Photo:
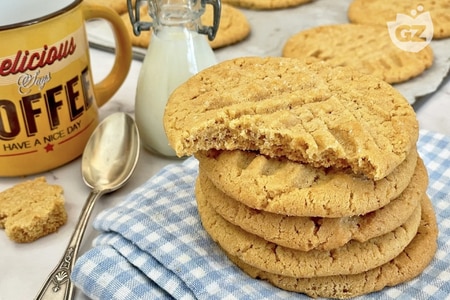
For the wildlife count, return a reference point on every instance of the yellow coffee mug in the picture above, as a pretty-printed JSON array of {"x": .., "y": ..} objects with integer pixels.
[{"x": 48, "y": 100}]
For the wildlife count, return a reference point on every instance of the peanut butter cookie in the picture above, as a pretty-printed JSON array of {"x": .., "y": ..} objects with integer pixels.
[
  {"x": 284, "y": 107},
  {"x": 367, "y": 48},
  {"x": 290, "y": 188},
  {"x": 307, "y": 233},
  {"x": 379, "y": 12},
  {"x": 32, "y": 209},
  {"x": 233, "y": 27},
  {"x": 352, "y": 258},
  {"x": 406, "y": 266},
  {"x": 266, "y": 4},
  {"x": 119, "y": 6}
]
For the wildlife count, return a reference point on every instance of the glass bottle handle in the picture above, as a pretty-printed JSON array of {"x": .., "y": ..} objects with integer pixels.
[
  {"x": 135, "y": 17},
  {"x": 138, "y": 25},
  {"x": 211, "y": 31}
]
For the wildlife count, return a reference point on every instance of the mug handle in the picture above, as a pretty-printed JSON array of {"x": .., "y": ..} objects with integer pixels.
[{"x": 105, "y": 89}]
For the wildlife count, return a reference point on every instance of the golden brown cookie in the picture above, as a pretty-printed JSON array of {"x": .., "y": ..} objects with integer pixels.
[
  {"x": 120, "y": 6},
  {"x": 307, "y": 233},
  {"x": 233, "y": 27},
  {"x": 308, "y": 112},
  {"x": 32, "y": 209},
  {"x": 266, "y": 4},
  {"x": 285, "y": 187},
  {"x": 352, "y": 258},
  {"x": 379, "y": 12},
  {"x": 366, "y": 48},
  {"x": 408, "y": 265}
]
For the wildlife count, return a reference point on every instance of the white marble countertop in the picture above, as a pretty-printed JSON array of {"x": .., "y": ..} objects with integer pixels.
[{"x": 24, "y": 267}]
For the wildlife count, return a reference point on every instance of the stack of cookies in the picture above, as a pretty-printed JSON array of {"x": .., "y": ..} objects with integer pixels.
[{"x": 309, "y": 176}]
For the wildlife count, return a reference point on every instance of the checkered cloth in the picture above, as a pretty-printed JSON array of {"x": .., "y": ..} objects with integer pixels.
[{"x": 153, "y": 246}]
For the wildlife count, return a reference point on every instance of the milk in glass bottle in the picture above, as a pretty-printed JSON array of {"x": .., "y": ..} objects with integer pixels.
[{"x": 178, "y": 49}]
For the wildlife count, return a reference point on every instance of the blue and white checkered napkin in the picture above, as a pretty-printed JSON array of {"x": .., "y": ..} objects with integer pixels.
[{"x": 153, "y": 246}]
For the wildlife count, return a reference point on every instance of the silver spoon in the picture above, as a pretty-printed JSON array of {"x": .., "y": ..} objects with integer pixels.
[{"x": 108, "y": 161}]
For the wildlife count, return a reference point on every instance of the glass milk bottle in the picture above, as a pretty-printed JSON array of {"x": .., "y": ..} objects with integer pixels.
[{"x": 178, "y": 49}]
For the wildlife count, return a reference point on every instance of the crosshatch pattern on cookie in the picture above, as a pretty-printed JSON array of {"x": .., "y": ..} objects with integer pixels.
[
  {"x": 313, "y": 113},
  {"x": 366, "y": 48},
  {"x": 285, "y": 187}
]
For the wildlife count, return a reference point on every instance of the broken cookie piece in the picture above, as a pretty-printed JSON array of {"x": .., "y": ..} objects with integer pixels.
[{"x": 32, "y": 209}]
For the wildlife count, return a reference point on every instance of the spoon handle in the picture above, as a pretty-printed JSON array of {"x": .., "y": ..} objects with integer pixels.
[{"x": 58, "y": 285}]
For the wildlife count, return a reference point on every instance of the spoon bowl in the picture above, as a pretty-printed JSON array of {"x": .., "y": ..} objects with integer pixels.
[
  {"x": 109, "y": 159},
  {"x": 111, "y": 153}
]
